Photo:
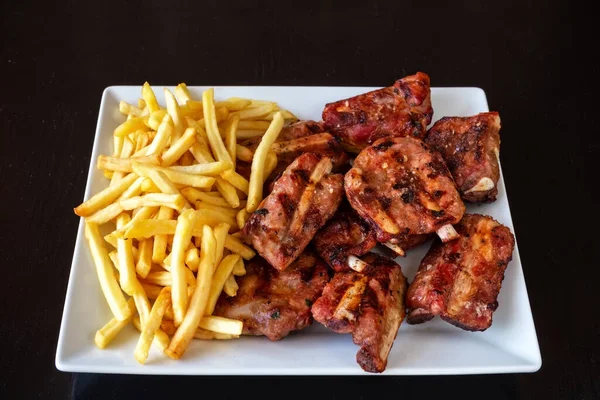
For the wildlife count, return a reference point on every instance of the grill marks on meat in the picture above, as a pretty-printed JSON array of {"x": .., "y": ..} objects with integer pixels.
[
  {"x": 402, "y": 188},
  {"x": 370, "y": 305},
  {"x": 345, "y": 234},
  {"x": 460, "y": 280},
  {"x": 302, "y": 200},
  {"x": 274, "y": 303},
  {"x": 470, "y": 146},
  {"x": 403, "y": 109}
]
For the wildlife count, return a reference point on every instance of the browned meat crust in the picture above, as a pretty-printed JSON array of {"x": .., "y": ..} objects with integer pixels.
[
  {"x": 401, "y": 187},
  {"x": 370, "y": 305},
  {"x": 274, "y": 303},
  {"x": 470, "y": 146},
  {"x": 460, "y": 280},
  {"x": 301, "y": 202},
  {"x": 345, "y": 234},
  {"x": 403, "y": 109}
]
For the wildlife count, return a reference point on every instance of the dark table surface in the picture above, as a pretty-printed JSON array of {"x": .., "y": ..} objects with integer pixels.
[{"x": 532, "y": 58}]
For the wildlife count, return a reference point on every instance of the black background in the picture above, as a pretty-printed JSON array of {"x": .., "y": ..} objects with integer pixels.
[{"x": 532, "y": 58}]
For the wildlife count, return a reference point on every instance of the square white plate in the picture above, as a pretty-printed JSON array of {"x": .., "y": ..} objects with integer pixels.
[{"x": 436, "y": 347}]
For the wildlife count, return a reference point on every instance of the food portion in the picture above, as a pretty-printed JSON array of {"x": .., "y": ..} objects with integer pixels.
[
  {"x": 197, "y": 187},
  {"x": 344, "y": 235},
  {"x": 403, "y": 109},
  {"x": 460, "y": 280},
  {"x": 173, "y": 204},
  {"x": 471, "y": 147},
  {"x": 302, "y": 200},
  {"x": 370, "y": 305},
  {"x": 274, "y": 303},
  {"x": 401, "y": 187}
]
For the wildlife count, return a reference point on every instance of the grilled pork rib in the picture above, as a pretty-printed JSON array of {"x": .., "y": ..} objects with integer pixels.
[
  {"x": 370, "y": 305},
  {"x": 344, "y": 235},
  {"x": 460, "y": 280},
  {"x": 302, "y": 200},
  {"x": 470, "y": 146},
  {"x": 274, "y": 303},
  {"x": 402, "y": 188},
  {"x": 403, "y": 109}
]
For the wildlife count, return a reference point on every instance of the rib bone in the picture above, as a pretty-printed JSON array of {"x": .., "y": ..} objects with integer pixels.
[
  {"x": 447, "y": 233},
  {"x": 483, "y": 185},
  {"x": 357, "y": 264},
  {"x": 395, "y": 248}
]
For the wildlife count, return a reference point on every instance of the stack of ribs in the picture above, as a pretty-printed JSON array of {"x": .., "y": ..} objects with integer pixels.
[{"x": 321, "y": 219}]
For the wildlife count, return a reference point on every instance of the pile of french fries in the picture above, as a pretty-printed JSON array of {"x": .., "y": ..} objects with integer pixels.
[{"x": 175, "y": 205}]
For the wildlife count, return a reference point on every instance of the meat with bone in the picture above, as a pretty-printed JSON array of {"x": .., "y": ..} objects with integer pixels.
[
  {"x": 460, "y": 280},
  {"x": 403, "y": 109},
  {"x": 470, "y": 146},
  {"x": 274, "y": 303},
  {"x": 301, "y": 202},
  {"x": 401, "y": 187},
  {"x": 370, "y": 305},
  {"x": 344, "y": 235}
]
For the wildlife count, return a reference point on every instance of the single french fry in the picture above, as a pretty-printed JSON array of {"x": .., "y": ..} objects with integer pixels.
[
  {"x": 201, "y": 151},
  {"x": 106, "y": 214},
  {"x": 228, "y": 191},
  {"x": 174, "y": 201},
  {"x": 132, "y": 125},
  {"x": 255, "y": 112},
  {"x": 203, "y": 334},
  {"x": 212, "y": 129},
  {"x": 241, "y": 218},
  {"x": 160, "y": 278},
  {"x": 222, "y": 272},
  {"x": 128, "y": 279},
  {"x": 156, "y": 118},
  {"x": 221, "y": 114},
  {"x": 118, "y": 142},
  {"x": 149, "y": 97},
  {"x": 124, "y": 164},
  {"x": 112, "y": 328},
  {"x": 257, "y": 175},
  {"x": 187, "y": 159},
  {"x": 104, "y": 268},
  {"x": 175, "y": 113},
  {"x": 172, "y": 176},
  {"x": 182, "y": 93},
  {"x": 145, "y": 262},
  {"x": 221, "y": 325},
  {"x": 230, "y": 287},
  {"x": 200, "y": 205},
  {"x": 160, "y": 240},
  {"x": 152, "y": 325},
  {"x": 192, "y": 195},
  {"x": 163, "y": 134},
  {"x": 230, "y": 137},
  {"x": 234, "y": 104},
  {"x": 185, "y": 332},
  {"x": 183, "y": 235},
  {"x": 178, "y": 147},
  {"x": 239, "y": 269},
  {"x": 238, "y": 181},
  {"x": 236, "y": 246},
  {"x": 286, "y": 114},
  {"x": 221, "y": 233},
  {"x": 243, "y": 153},
  {"x": 209, "y": 169},
  {"x": 105, "y": 197}
]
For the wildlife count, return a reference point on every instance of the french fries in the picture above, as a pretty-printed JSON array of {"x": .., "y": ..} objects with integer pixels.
[{"x": 178, "y": 204}]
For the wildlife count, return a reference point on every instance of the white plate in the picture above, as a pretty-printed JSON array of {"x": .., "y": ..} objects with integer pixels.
[{"x": 436, "y": 347}]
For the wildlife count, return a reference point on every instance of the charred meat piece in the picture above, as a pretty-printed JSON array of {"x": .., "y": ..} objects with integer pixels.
[
  {"x": 300, "y": 129},
  {"x": 344, "y": 235},
  {"x": 403, "y": 109},
  {"x": 402, "y": 188},
  {"x": 470, "y": 146},
  {"x": 274, "y": 303},
  {"x": 301, "y": 202},
  {"x": 460, "y": 280},
  {"x": 370, "y": 305}
]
